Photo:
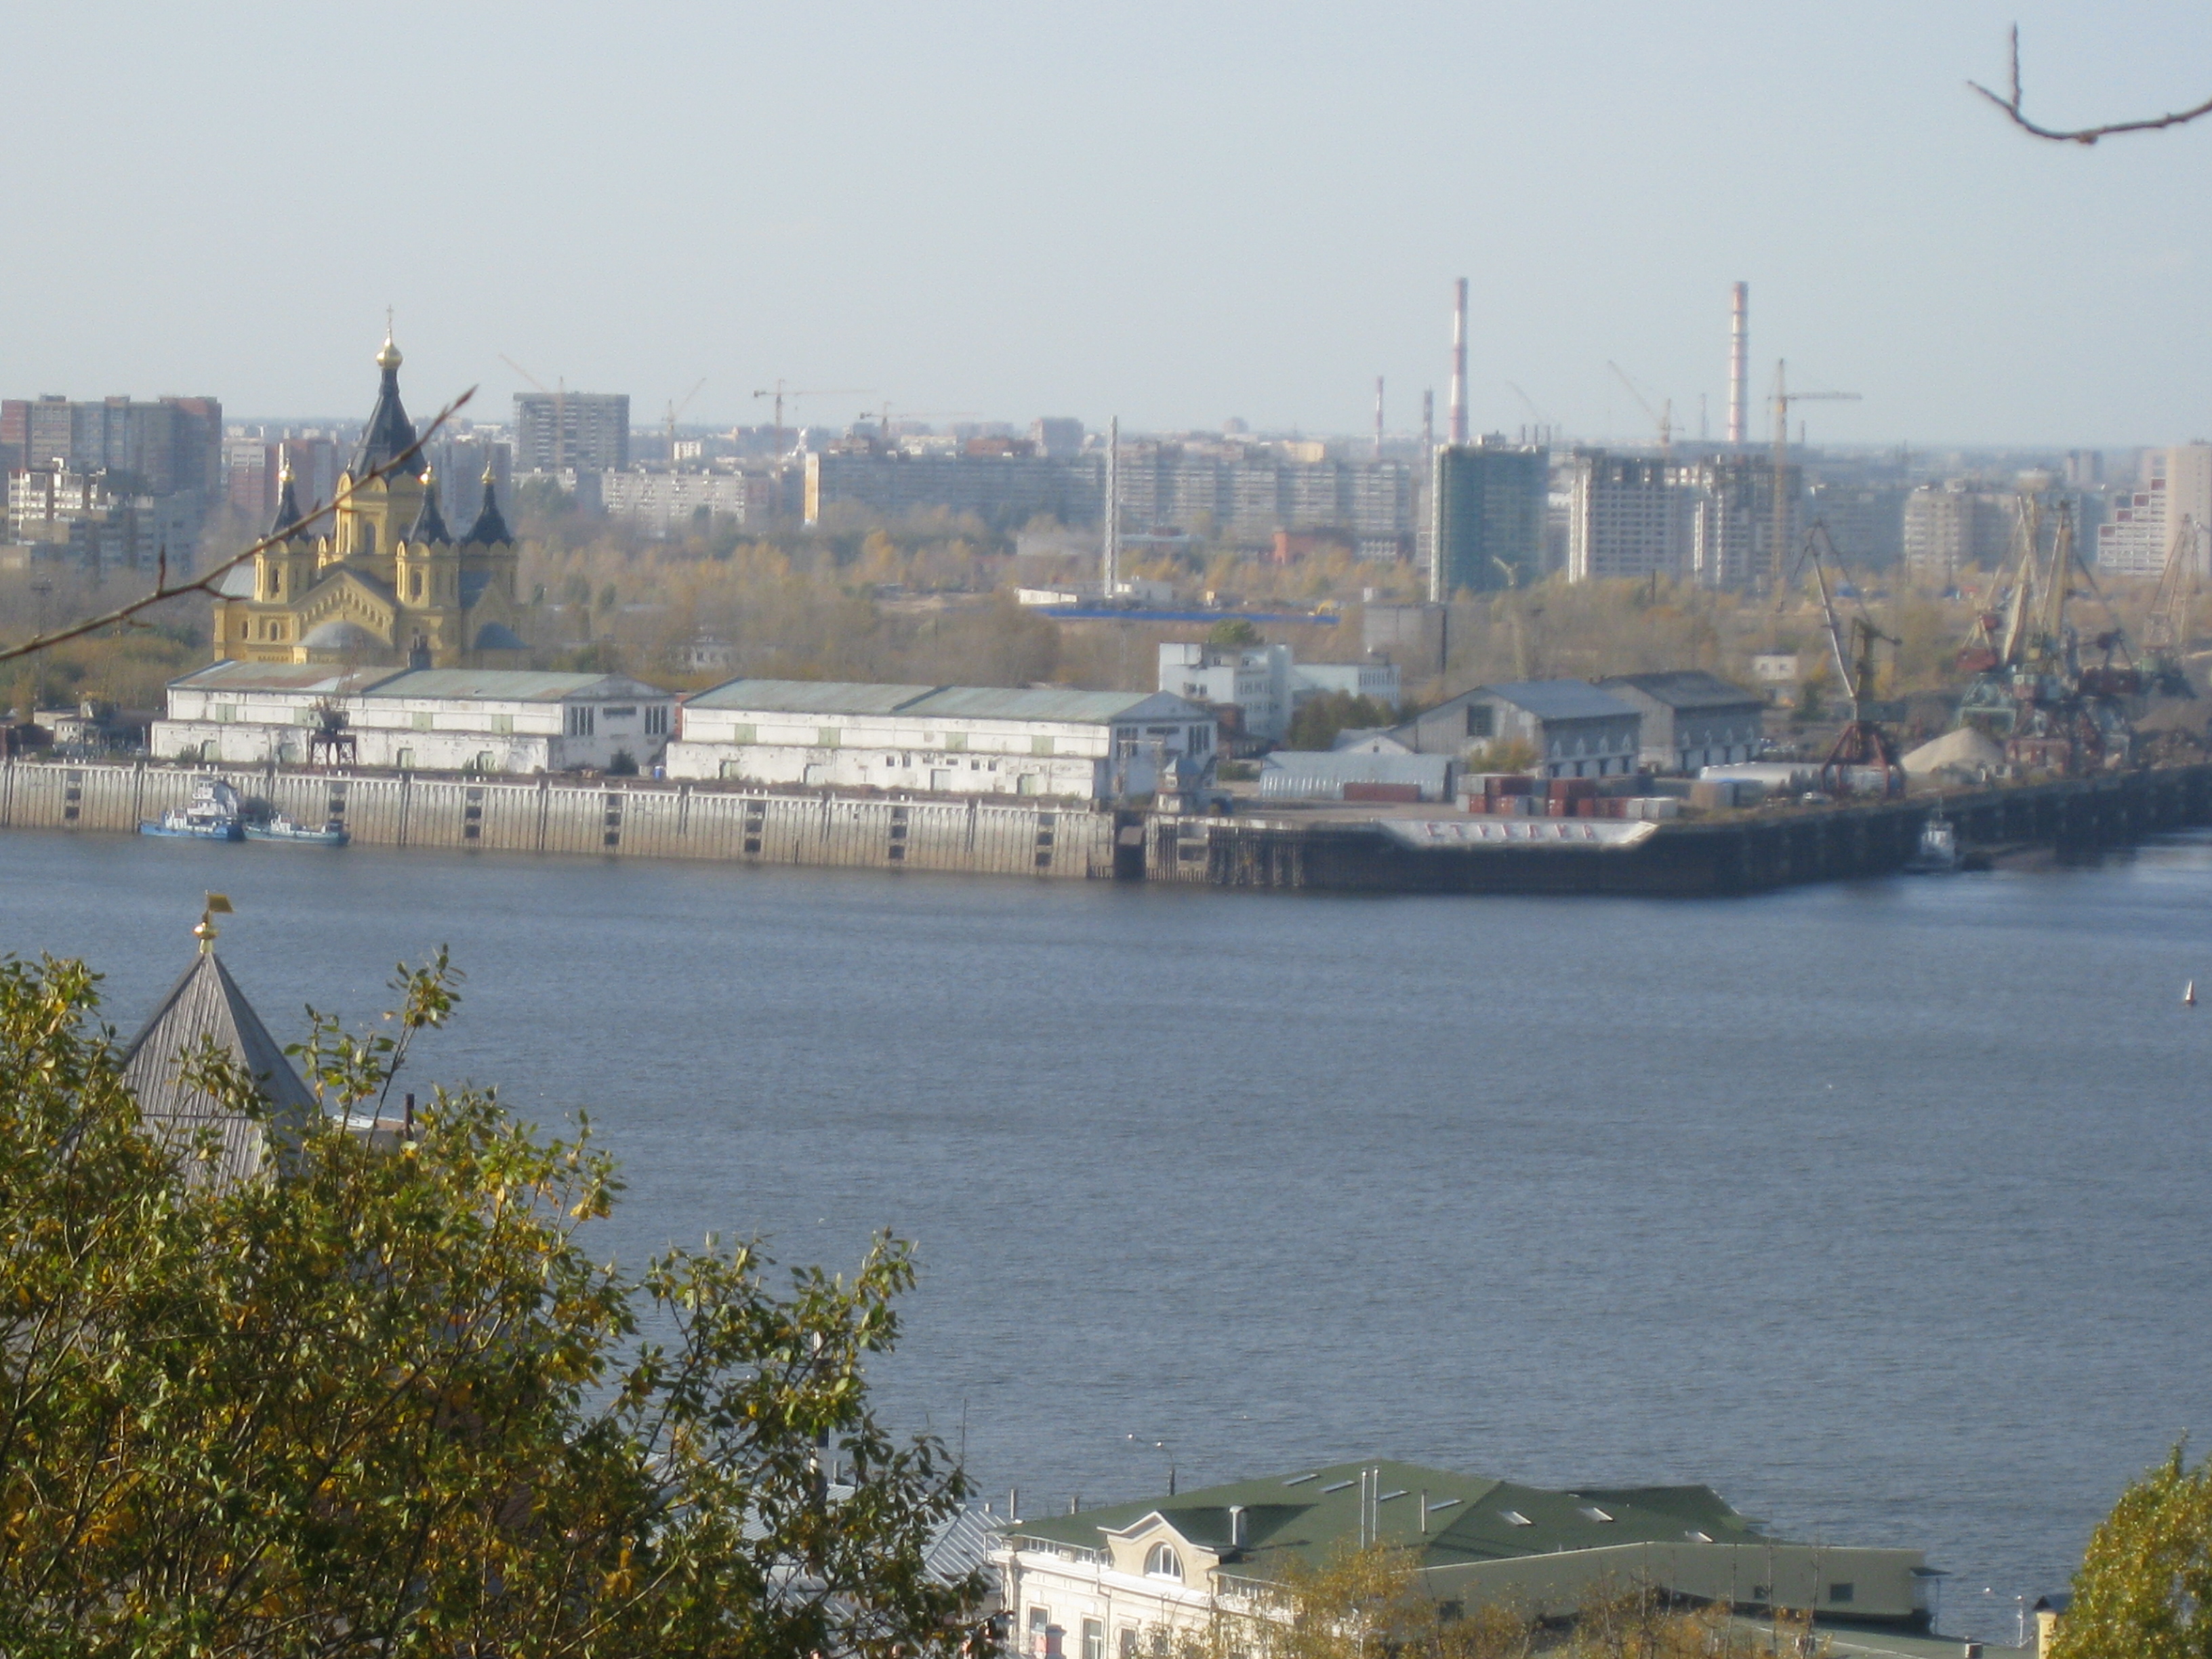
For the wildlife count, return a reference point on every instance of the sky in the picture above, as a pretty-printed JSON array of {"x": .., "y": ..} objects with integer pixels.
[{"x": 1178, "y": 213}]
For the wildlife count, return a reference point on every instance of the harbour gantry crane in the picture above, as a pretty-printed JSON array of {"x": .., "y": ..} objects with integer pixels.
[
  {"x": 780, "y": 390},
  {"x": 676, "y": 409},
  {"x": 1662, "y": 417},
  {"x": 558, "y": 391},
  {"x": 1782, "y": 399}
]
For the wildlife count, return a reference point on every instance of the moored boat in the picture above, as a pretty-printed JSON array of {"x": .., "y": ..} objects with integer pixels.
[
  {"x": 1938, "y": 852},
  {"x": 280, "y": 828},
  {"x": 211, "y": 814}
]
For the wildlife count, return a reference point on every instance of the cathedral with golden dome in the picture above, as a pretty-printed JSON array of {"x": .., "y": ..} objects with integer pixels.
[{"x": 386, "y": 581}]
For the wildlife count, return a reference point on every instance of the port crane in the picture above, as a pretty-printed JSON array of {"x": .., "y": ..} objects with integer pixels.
[
  {"x": 1864, "y": 744},
  {"x": 2166, "y": 633},
  {"x": 780, "y": 390},
  {"x": 2029, "y": 690}
]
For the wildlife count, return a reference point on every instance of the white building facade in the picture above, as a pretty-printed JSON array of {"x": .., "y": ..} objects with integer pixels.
[
  {"x": 433, "y": 719},
  {"x": 1265, "y": 683},
  {"x": 944, "y": 740}
]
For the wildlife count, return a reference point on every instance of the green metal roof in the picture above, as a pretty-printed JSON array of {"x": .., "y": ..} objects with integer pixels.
[
  {"x": 512, "y": 685},
  {"x": 808, "y": 696},
  {"x": 1310, "y": 1516},
  {"x": 973, "y": 702},
  {"x": 282, "y": 676}
]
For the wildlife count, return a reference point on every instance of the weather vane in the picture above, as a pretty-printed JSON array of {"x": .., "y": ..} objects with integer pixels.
[{"x": 217, "y": 905}]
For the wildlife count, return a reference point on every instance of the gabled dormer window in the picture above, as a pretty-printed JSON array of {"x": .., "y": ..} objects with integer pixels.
[{"x": 1161, "y": 1561}]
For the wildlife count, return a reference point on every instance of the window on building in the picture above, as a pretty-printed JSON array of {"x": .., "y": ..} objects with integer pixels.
[
  {"x": 656, "y": 721},
  {"x": 1481, "y": 719},
  {"x": 1040, "y": 1620},
  {"x": 484, "y": 761},
  {"x": 1040, "y": 745},
  {"x": 422, "y": 720},
  {"x": 583, "y": 720},
  {"x": 1124, "y": 1642},
  {"x": 1842, "y": 1592},
  {"x": 1161, "y": 1562},
  {"x": 405, "y": 760},
  {"x": 367, "y": 537},
  {"x": 826, "y": 737},
  {"x": 1094, "y": 1639},
  {"x": 732, "y": 769},
  {"x": 503, "y": 723},
  {"x": 416, "y": 591}
]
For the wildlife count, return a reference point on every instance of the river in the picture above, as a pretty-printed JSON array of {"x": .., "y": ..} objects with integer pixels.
[{"x": 1881, "y": 1208}]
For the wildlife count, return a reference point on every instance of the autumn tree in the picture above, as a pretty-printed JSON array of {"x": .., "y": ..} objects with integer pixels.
[
  {"x": 382, "y": 1399},
  {"x": 2144, "y": 1590}
]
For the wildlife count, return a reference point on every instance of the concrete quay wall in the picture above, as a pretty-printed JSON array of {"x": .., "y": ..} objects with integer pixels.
[
  {"x": 1749, "y": 852},
  {"x": 620, "y": 818}
]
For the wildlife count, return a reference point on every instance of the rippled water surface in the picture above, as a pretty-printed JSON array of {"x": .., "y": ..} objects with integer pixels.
[{"x": 1882, "y": 1208}]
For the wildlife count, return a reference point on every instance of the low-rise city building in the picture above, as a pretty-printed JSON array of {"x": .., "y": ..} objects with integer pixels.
[
  {"x": 1266, "y": 684},
  {"x": 1215, "y": 1566},
  {"x": 1692, "y": 719},
  {"x": 434, "y": 720},
  {"x": 944, "y": 739},
  {"x": 1572, "y": 729}
]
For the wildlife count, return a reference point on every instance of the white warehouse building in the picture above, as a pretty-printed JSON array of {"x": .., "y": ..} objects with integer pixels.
[
  {"x": 944, "y": 739},
  {"x": 432, "y": 720}
]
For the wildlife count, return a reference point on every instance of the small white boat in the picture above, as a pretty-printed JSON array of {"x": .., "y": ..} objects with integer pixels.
[
  {"x": 211, "y": 814},
  {"x": 280, "y": 828},
  {"x": 2189, "y": 995},
  {"x": 1938, "y": 852}
]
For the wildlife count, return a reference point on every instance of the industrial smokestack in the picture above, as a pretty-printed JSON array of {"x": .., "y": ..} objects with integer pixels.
[
  {"x": 1110, "y": 559},
  {"x": 1459, "y": 366},
  {"x": 1378, "y": 417},
  {"x": 1739, "y": 359}
]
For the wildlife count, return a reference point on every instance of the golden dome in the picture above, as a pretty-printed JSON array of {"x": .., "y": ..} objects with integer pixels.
[{"x": 389, "y": 357}]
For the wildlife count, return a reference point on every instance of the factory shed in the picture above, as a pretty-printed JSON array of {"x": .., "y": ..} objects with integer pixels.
[
  {"x": 459, "y": 720},
  {"x": 1047, "y": 741},
  {"x": 1692, "y": 719},
  {"x": 1355, "y": 775},
  {"x": 1573, "y": 729},
  {"x": 1167, "y": 1568}
]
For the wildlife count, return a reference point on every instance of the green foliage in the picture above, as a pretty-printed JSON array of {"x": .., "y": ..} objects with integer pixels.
[
  {"x": 1319, "y": 718},
  {"x": 2145, "y": 1588},
  {"x": 381, "y": 1400},
  {"x": 1233, "y": 631}
]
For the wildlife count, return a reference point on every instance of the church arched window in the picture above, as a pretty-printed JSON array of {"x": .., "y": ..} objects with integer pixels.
[{"x": 367, "y": 537}]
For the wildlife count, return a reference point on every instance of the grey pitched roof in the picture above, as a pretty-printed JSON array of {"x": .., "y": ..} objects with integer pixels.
[
  {"x": 1686, "y": 688},
  {"x": 206, "y": 1004},
  {"x": 510, "y": 685},
  {"x": 318, "y": 678},
  {"x": 999, "y": 702},
  {"x": 1557, "y": 700},
  {"x": 389, "y": 433}
]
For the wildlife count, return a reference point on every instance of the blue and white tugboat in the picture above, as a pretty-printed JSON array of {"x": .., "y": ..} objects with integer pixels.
[
  {"x": 1938, "y": 852},
  {"x": 211, "y": 814}
]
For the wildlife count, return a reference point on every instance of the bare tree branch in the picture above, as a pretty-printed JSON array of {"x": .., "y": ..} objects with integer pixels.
[
  {"x": 163, "y": 590},
  {"x": 2011, "y": 106}
]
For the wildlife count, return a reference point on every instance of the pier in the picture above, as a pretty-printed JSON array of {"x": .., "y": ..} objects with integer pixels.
[{"x": 1736, "y": 853}]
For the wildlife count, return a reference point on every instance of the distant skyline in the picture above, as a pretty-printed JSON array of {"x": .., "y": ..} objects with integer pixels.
[{"x": 1177, "y": 214}]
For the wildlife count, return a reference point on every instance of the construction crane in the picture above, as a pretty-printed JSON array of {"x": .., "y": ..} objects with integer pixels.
[
  {"x": 676, "y": 409},
  {"x": 1863, "y": 744},
  {"x": 2166, "y": 632},
  {"x": 558, "y": 391},
  {"x": 780, "y": 390},
  {"x": 1782, "y": 399},
  {"x": 1661, "y": 417}
]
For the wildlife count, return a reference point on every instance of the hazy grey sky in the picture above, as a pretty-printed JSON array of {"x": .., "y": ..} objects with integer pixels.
[{"x": 1179, "y": 212}]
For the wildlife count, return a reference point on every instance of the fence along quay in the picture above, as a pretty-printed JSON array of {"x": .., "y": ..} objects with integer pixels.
[{"x": 632, "y": 818}]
